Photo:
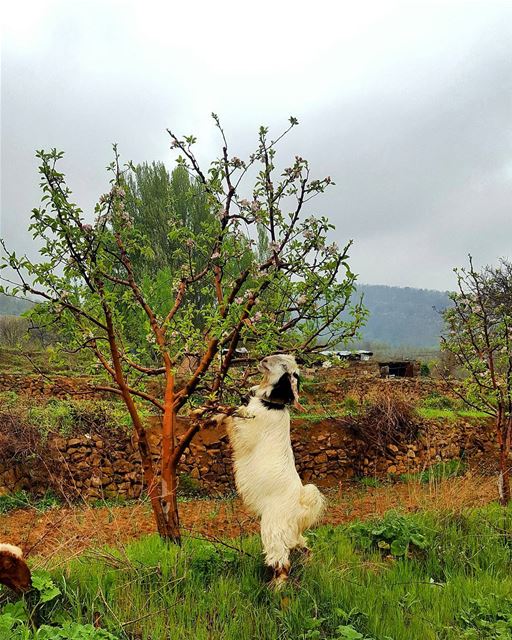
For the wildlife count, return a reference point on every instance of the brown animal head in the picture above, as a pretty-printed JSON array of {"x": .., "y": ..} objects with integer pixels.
[{"x": 14, "y": 572}]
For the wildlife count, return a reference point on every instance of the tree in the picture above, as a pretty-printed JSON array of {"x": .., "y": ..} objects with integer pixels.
[
  {"x": 292, "y": 299},
  {"x": 479, "y": 335}
]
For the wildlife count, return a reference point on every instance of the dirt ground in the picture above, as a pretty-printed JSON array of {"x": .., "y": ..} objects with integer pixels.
[{"x": 54, "y": 536}]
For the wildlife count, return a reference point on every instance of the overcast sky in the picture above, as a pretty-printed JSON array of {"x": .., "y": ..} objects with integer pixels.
[{"x": 408, "y": 106}]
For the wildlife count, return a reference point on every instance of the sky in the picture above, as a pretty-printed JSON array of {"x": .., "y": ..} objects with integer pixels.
[{"x": 407, "y": 105}]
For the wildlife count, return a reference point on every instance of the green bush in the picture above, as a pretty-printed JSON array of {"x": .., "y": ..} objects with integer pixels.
[
  {"x": 350, "y": 406},
  {"x": 37, "y": 616},
  {"x": 12, "y": 501},
  {"x": 438, "y": 401},
  {"x": 370, "y": 481},
  {"x": 489, "y": 617},
  {"x": 394, "y": 534}
]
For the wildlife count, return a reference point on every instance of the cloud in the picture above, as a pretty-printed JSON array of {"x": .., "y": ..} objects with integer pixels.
[{"x": 406, "y": 105}]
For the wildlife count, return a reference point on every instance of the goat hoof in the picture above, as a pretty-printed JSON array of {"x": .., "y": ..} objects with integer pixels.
[{"x": 280, "y": 578}]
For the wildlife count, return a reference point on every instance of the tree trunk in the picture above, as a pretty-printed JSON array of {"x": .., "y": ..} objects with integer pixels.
[
  {"x": 171, "y": 530},
  {"x": 504, "y": 461}
]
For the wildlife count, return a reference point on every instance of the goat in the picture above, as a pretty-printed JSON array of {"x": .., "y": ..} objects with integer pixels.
[
  {"x": 14, "y": 572},
  {"x": 265, "y": 473}
]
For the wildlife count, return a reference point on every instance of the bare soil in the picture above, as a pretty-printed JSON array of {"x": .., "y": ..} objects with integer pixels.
[{"x": 55, "y": 536}]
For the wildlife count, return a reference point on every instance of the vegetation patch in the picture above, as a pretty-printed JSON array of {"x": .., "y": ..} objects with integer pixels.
[
  {"x": 394, "y": 534},
  {"x": 22, "y": 500},
  {"x": 452, "y": 583},
  {"x": 437, "y": 472}
]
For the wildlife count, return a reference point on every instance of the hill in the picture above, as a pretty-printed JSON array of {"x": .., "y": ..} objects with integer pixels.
[
  {"x": 10, "y": 306},
  {"x": 399, "y": 316},
  {"x": 403, "y": 316}
]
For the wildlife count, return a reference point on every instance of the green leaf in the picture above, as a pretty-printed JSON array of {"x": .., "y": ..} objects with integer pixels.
[
  {"x": 42, "y": 582},
  {"x": 399, "y": 547}
]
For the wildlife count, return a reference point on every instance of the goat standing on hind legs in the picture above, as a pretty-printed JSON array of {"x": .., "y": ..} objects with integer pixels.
[{"x": 265, "y": 473}]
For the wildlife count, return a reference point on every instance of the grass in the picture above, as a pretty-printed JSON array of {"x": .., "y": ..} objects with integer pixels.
[
  {"x": 437, "y": 472},
  {"x": 22, "y": 500},
  {"x": 449, "y": 414},
  {"x": 65, "y": 416},
  {"x": 454, "y": 584}
]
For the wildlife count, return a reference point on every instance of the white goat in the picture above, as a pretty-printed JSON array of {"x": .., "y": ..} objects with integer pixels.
[{"x": 265, "y": 473}]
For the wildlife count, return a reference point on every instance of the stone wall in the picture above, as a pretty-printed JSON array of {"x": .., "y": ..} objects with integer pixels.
[
  {"x": 90, "y": 467},
  {"x": 55, "y": 386}
]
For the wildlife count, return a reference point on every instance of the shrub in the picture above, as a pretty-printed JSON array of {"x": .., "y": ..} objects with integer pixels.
[
  {"x": 424, "y": 370},
  {"x": 393, "y": 535},
  {"x": 17, "y": 620},
  {"x": 189, "y": 487},
  {"x": 370, "y": 481},
  {"x": 489, "y": 617},
  {"x": 438, "y": 401},
  {"x": 389, "y": 417},
  {"x": 351, "y": 406},
  {"x": 10, "y": 502}
]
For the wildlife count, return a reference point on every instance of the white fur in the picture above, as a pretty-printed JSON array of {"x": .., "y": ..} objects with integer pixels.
[
  {"x": 265, "y": 473},
  {"x": 10, "y": 548}
]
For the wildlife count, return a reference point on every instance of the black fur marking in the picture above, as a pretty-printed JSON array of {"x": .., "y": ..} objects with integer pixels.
[
  {"x": 272, "y": 405},
  {"x": 282, "y": 391}
]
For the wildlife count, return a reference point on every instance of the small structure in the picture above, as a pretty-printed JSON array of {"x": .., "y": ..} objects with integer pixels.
[
  {"x": 399, "y": 369},
  {"x": 353, "y": 356}
]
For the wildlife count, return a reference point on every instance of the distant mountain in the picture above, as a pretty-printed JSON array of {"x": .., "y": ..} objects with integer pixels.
[
  {"x": 403, "y": 316},
  {"x": 13, "y": 306},
  {"x": 399, "y": 316}
]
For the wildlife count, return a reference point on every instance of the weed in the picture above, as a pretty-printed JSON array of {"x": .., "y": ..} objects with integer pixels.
[
  {"x": 437, "y": 472},
  {"x": 393, "y": 534},
  {"x": 22, "y": 500},
  {"x": 458, "y": 588},
  {"x": 189, "y": 487},
  {"x": 370, "y": 481},
  {"x": 489, "y": 618}
]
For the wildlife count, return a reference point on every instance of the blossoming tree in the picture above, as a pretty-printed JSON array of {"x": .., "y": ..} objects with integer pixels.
[
  {"x": 293, "y": 294},
  {"x": 479, "y": 335}
]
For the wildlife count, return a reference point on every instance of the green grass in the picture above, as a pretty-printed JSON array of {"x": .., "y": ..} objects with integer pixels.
[
  {"x": 437, "y": 472},
  {"x": 22, "y": 500},
  {"x": 65, "y": 416},
  {"x": 449, "y": 414},
  {"x": 454, "y": 582}
]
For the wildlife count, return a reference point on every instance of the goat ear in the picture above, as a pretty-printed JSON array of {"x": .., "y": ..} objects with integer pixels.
[{"x": 295, "y": 386}]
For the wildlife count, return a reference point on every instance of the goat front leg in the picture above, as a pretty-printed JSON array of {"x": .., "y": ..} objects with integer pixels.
[{"x": 276, "y": 546}]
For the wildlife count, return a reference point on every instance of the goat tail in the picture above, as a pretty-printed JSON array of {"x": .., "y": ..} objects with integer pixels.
[{"x": 313, "y": 505}]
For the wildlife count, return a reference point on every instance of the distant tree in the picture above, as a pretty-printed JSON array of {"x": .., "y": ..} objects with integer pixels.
[
  {"x": 479, "y": 335},
  {"x": 290, "y": 300},
  {"x": 157, "y": 202},
  {"x": 12, "y": 330}
]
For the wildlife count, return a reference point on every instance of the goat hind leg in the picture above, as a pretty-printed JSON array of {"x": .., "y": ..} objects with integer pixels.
[{"x": 276, "y": 547}]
